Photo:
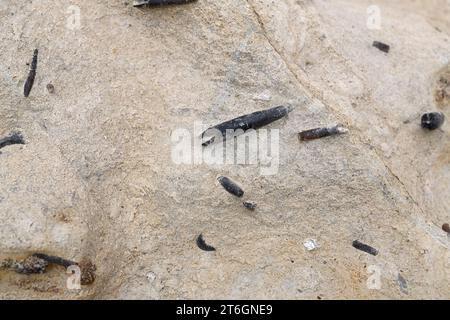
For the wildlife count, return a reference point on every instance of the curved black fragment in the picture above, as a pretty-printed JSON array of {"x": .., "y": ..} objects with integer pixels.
[
  {"x": 364, "y": 247},
  {"x": 55, "y": 260},
  {"x": 202, "y": 244},
  {"x": 142, "y": 3},
  {"x": 15, "y": 138},
  {"x": 30, "y": 80},
  {"x": 253, "y": 121},
  {"x": 231, "y": 187},
  {"x": 433, "y": 120}
]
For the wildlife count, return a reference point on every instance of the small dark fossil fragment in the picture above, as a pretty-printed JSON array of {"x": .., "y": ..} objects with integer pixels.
[
  {"x": 30, "y": 265},
  {"x": 446, "y": 228},
  {"x": 31, "y": 75},
  {"x": 382, "y": 46},
  {"x": 402, "y": 284},
  {"x": 250, "y": 205},
  {"x": 202, "y": 244},
  {"x": 50, "y": 88},
  {"x": 141, "y": 3},
  {"x": 253, "y": 121},
  {"x": 15, "y": 138},
  {"x": 433, "y": 120},
  {"x": 322, "y": 132},
  {"x": 231, "y": 187},
  {"x": 364, "y": 247}
]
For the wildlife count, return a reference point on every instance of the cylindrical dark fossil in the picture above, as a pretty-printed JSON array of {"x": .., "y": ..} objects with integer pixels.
[
  {"x": 322, "y": 132},
  {"x": 231, "y": 186},
  {"x": 141, "y": 3},
  {"x": 364, "y": 247},
  {"x": 433, "y": 120},
  {"x": 31, "y": 75},
  {"x": 382, "y": 46},
  {"x": 253, "y": 120}
]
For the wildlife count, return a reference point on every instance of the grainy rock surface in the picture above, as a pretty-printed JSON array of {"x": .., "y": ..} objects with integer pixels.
[{"x": 95, "y": 178}]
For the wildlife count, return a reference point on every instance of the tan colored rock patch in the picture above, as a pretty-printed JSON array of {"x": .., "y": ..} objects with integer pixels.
[{"x": 95, "y": 178}]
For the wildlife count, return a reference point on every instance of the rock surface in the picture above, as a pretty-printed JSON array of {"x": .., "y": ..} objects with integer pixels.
[{"x": 96, "y": 180}]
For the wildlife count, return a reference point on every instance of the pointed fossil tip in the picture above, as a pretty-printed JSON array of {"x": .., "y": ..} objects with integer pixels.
[
  {"x": 208, "y": 142},
  {"x": 340, "y": 129},
  {"x": 289, "y": 107}
]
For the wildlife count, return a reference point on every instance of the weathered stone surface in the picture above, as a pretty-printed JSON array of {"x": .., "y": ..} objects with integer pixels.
[{"x": 95, "y": 179}]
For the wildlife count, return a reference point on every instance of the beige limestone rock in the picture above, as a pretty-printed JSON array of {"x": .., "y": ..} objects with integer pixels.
[{"x": 96, "y": 180}]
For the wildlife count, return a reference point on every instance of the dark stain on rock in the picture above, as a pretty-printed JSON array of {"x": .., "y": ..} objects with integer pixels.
[{"x": 442, "y": 88}]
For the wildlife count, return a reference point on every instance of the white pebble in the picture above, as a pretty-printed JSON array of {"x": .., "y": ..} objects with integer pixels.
[{"x": 311, "y": 244}]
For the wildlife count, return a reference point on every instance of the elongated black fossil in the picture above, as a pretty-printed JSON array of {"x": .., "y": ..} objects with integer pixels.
[
  {"x": 31, "y": 75},
  {"x": 231, "y": 186},
  {"x": 55, "y": 260},
  {"x": 433, "y": 120},
  {"x": 322, "y": 132},
  {"x": 253, "y": 120},
  {"x": 382, "y": 46},
  {"x": 202, "y": 244},
  {"x": 364, "y": 247},
  {"x": 141, "y": 3},
  {"x": 15, "y": 138}
]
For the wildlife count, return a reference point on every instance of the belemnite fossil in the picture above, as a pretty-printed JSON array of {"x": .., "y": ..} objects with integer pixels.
[
  {"x": 382, "y": 46},
  {"x": 31, "y": 75},
  {"x": 231, "y": 186},
  {"x": 364, "y": 247},
  {"x": 241, "y": 124}
]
